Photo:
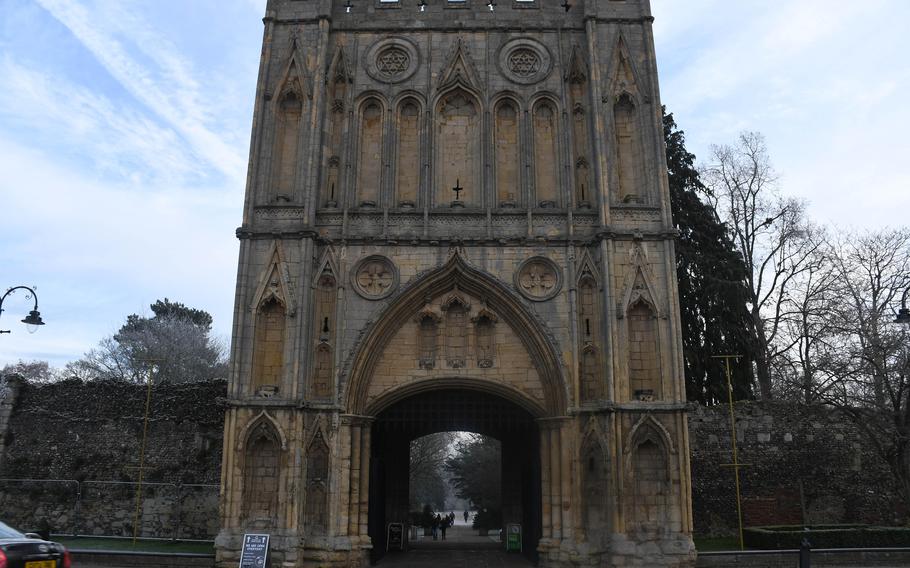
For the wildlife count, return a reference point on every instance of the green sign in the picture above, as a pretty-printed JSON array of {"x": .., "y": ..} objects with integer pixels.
[{"x": 513, "y": 537}]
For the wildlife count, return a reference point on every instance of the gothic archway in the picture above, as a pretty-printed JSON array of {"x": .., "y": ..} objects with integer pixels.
[{"x": 458, "y": 274}]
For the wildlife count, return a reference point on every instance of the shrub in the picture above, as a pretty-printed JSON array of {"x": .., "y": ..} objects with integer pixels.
[{"x": 825, "y": 536}]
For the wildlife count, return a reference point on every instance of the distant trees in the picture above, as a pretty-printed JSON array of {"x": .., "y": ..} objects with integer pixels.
[
  {"x": 174, "y": 345},
  {"x": 476, "y": 470},
  {"x": 426, "y": 475}
]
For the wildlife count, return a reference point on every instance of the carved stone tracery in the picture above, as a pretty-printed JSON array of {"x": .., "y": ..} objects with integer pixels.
[
  {"x": 375, "y": 277},
  {"x": 538, "y": 279}
]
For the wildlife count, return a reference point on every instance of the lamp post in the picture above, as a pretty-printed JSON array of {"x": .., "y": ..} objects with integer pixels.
[
  {"x": 903, "y": 316},
  {"x": 33, "y": 319}
]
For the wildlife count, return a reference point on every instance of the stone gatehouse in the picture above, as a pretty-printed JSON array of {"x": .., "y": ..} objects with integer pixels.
[{"x": 457, "y": 218}]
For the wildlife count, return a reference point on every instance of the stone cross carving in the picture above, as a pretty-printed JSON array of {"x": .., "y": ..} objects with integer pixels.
[{"x": 457, "y": 189}]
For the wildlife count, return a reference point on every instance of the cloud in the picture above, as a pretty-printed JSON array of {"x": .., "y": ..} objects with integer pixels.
[
  {"x": 49, "y": 111},
  {"x": 153, "y": 71},
  {"x": 98, "y": 251}
]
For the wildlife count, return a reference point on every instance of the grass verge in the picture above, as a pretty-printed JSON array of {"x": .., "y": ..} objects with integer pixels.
[{"x": 140, "y": 546}]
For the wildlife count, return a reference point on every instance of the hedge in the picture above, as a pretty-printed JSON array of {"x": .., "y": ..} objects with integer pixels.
[{"x": 825, "y": 536}]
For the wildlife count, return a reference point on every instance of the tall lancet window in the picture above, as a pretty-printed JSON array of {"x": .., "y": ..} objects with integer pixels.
[
  {"x": 409, "y": 151},
  {"x": 316, "y": 514},
  {"x": 644, "y": 357},
  {"x": 628, "y": 151},
  {"x": 508, "y": 160},
  {"x": 458, "y": 143},
  {"x": 337, "y": 95},
  {"x": 546, "y": 156},
  {"x": 426, "y": 341},
  {"x": 260, "y": 478},
  {"x": 456, "y": 334},
  {"x": 268, "y": 347},
  {"x": 583, "y": 195},
  {"x": 484, "y": 333},
  {"x": 370, "y": 164},
  {"x": 290, "y": 107}
]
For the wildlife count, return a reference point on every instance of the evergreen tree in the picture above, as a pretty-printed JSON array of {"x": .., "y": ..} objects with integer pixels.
[{"x": 712, "y": 292}]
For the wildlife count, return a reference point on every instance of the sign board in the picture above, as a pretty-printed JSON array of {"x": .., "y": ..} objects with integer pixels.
[
  {"x": 395, "y": 540},
  {"x": 513, "y": 537},
  {"x": 255, "y": 551}
]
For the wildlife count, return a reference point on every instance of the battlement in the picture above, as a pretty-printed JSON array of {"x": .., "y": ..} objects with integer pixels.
[{"x": 458, "y": 14}]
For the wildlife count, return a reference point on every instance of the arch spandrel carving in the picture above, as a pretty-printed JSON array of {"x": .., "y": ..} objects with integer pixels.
[{"x": 543, "y": 382}]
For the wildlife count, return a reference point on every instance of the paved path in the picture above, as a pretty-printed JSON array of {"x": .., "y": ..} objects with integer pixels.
[{"x": 457, "y": 558}]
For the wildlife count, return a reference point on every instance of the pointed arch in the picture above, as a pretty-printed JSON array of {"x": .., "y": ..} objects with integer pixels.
[
  {"x": 624, "y": 74},
  {"x": 536, "y": 339},
  {"x": 288, "y": 111},
  {"x": 275, "y": 282},
  {"x": 263, "y": 420},
  {"x": 458, "y": 70},
  {"x": 640, "y": 283},
  {"x": 339, "y": 68},
  {"x": 647, "y": 427},
  {"x": 647, "y": 465}
]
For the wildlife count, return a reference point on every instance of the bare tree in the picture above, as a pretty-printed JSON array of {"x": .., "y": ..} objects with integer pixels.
[
  {"x": 36, "y": 372},
  {"x": 175, "y": 345},
  {"x": 771, "y": 233},
  {"x": 869, "y": 366},
  {"x": 808, "y": 338}
]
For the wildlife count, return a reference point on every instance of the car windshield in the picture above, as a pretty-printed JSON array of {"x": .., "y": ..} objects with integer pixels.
[{"x": 9, "y": 532}]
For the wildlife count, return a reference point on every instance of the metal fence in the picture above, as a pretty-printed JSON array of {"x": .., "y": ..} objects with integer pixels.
[{"x": 109, "y": 508}]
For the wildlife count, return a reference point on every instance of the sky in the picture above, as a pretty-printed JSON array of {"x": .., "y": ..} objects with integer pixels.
[{"x": 125, "y": 127}]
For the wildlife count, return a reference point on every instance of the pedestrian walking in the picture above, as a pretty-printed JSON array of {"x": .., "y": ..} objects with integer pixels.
[{"x": 466, "y": 516}]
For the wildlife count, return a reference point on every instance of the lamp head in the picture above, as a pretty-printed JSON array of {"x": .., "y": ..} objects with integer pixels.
[
  {"x": 32, "y": 321},
  {"x": 903, "y": 316}
]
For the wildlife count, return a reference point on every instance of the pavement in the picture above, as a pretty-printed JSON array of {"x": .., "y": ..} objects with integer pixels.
[{"x": 462, "y": 548}]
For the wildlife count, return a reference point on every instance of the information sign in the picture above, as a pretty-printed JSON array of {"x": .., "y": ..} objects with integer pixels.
[
  {"x": 255, "y": 551},
  {"x": 513, "y": 537},
  {"x": 395, "y": 540}
]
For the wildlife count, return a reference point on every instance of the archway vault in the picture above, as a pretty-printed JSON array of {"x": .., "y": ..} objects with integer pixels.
[{"x": 456, "y": 272}]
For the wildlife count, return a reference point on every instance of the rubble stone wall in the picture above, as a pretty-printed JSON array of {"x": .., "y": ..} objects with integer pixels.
[{"x": 800, "y": 463}]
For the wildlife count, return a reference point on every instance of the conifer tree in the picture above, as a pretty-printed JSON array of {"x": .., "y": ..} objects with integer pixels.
[{"x": 712, "y": 294}]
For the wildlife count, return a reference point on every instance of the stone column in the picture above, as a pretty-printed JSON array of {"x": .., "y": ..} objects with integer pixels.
[
  {"x": 545, "y": 507},
  {"x": 364, "y": 506},
  {"x": 566, "y": 460},
  {"x": 555, "y": 481},
  {"x": 354, "y": 495}
]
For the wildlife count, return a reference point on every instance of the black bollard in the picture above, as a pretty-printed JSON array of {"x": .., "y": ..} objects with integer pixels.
[{"x": 805, "y": 551}]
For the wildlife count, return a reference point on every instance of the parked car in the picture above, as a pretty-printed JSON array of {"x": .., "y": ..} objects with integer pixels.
[{"x": 18, "y": 550}]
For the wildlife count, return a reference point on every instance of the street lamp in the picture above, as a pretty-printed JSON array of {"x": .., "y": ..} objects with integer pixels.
[
  {"x": 903, "y": 316},
  {"x": 33, "y": 319}
]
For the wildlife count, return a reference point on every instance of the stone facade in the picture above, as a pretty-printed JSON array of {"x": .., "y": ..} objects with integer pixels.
[{"x": 463, "y": 200}]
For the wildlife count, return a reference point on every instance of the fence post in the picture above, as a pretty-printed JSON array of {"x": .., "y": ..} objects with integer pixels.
[
  {"x": 77, "y": 509},
  {"x": 805, "y": 550}
]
